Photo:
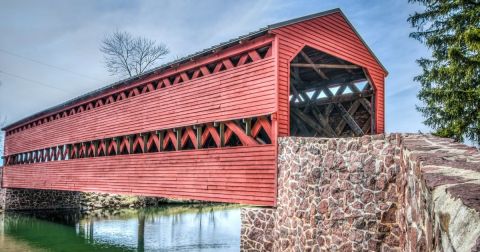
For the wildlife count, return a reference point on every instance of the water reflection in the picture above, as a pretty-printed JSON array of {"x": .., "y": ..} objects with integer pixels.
[{"x": 173, "y": 228}]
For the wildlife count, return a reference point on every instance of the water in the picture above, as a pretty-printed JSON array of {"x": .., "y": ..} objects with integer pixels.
[{"x": 170, "y": 228}]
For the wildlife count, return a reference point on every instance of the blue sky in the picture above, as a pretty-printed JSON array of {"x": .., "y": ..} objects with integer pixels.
[{"x": 49, "y": 50}]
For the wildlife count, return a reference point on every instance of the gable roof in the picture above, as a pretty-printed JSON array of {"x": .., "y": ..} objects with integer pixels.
[{"x": 188, "y": 58}]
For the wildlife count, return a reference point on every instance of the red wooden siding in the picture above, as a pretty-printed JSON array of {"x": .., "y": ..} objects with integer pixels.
[
  {"x": 333, "y": 35},
  {"x": 236, "y": 174},
  {"x": 244, "y": 91},
  {"x": 241, "y": 84}
]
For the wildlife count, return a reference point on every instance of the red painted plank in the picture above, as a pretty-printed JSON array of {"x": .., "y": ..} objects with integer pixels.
[
  {"x": 238, "y": 174},
  {"x": 235, "y": 174},
  {"x": 241, "y": 92},
  {"x": 333, "y": 35}
]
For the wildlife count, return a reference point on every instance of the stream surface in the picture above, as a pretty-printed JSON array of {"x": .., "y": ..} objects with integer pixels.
[{"x": 168, "y": 228}]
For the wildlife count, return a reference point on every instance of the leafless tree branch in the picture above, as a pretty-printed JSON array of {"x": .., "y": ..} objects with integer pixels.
[{"x": 128, "y": 55}]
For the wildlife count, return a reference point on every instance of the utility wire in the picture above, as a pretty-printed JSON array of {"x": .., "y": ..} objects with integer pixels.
[
  {"x": 32, "y": 81},
  {"x": 48, "y": 65}
]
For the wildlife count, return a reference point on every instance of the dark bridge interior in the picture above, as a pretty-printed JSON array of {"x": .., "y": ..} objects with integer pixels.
[{"x": 329, "y": 97}]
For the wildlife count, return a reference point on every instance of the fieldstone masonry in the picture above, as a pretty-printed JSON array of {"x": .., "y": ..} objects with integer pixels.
[
  {"x": 373, "y": 193},
  {"x": 27, "y": 199},
  {"x": 33, "y": 199}
]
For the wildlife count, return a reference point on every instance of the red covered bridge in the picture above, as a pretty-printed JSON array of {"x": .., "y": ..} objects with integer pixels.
[{"x": 205, "y": 127}]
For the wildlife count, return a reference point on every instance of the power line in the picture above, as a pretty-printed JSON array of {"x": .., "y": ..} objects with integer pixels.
[
  {"x": 33, "y": 81},
  {"x": 49, "y": 65}
]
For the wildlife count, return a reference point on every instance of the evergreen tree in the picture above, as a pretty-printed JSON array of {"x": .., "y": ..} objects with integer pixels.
[{"x": 450, "y": 82}]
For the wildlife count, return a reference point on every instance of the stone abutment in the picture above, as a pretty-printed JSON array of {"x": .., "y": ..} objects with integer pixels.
[
  {"x": 28, "y": 199},
  {"x": 374, "y": 193}
]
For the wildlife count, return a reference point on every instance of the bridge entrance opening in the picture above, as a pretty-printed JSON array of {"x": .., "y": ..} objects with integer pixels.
[{"x": 329, "y": 97}]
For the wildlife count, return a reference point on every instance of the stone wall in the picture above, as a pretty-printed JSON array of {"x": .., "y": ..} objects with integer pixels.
[
  {"x": 257, "y": 229},
  {"x": 27, "y": 199},
  {"x": 374, "y": 193},
  {"x": 439, "y": 194},
  {"x": 33, "y": 199}
]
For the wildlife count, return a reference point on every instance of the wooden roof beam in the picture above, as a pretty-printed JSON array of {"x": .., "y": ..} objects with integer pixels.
[
  {"x": 330, "y": 83},
  {"x": 335, "y": 99},
  {"x": 332, "y": 66},
  {"x": 312, "y": 64}
]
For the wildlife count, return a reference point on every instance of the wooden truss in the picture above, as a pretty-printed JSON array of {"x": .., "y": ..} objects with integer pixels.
[
  {"x": 242, "y": 132},
  {"x": 338, "y": 103}
]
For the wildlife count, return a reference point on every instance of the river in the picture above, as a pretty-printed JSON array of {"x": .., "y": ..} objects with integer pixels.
[{"x": 168, "y": 228}]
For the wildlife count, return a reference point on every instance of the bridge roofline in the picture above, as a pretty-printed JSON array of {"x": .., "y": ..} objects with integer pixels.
[{"x": 203, "y": 53}]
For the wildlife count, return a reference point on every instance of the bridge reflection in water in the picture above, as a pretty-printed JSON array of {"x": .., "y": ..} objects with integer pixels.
[{"x": 179, "y": 228}]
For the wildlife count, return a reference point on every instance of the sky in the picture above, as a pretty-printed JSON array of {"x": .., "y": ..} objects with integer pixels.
[{"x": 49, "y": 50}]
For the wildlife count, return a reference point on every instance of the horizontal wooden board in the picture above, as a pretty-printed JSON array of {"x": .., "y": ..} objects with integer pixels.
[
  {"x": 244, "y": 91},
  {"x": 232, "y": 174}
]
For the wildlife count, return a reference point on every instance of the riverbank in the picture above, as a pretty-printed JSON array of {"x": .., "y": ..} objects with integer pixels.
[
  {"x": 32, "y": 199},
  {"x": 90, "y": 201}
]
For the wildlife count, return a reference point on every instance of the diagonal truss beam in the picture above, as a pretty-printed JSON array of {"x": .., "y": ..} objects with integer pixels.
[
  {"x": 312, "y": 64},
  {"x": 348, "y": 119}
]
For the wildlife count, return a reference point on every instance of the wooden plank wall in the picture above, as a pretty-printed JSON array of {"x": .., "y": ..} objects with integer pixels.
[
  {"x": 333, "y": 35},
  {"x": 241, "y": 92},
  {"x": 234, "y": 174},
  {"x": 224, "y": 174}
]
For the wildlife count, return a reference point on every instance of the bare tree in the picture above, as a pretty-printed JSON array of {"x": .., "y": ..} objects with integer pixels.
[{"x": 129, "y": 55}]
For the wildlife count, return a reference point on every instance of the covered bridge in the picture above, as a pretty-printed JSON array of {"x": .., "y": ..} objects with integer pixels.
[{"x": 205, "y": 126}]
